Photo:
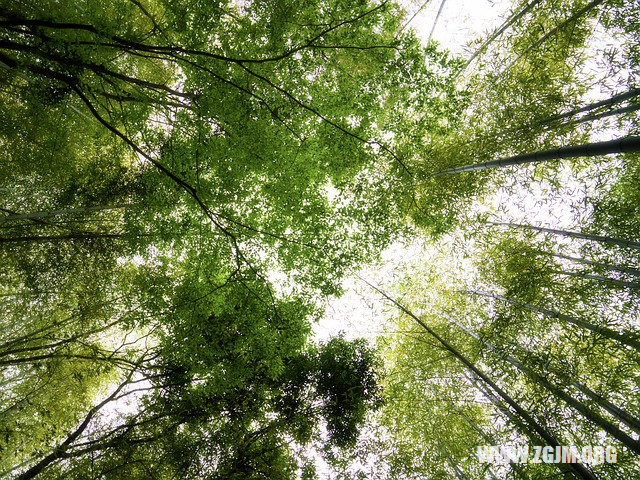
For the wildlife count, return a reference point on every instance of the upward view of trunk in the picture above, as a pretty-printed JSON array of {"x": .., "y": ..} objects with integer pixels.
[
  {"x": 586, "y": 118},
  {"x": 586, "y": 9},
  {"x": 607, "y": 426},
  {"x": 565, "y": 233},
  {"x": 39, "y": 333},
  {"x": 53, "y": 346},
  {"x": 456, "y": 470},
  {"x": 624, "y": 416},
  {"x": 620, "y": 145},
  {"x": 487, "y": 438},
  {"x": 621, "y": 97},
  {"x": 56, "y": 213},
  {"x": 597, "y": 419},
  {"x": 604, "y": 266},
  {"x": 601, "y": 278},
  {"x": 16, "y": 296},
  {"x": 570, "y": 471},
  {"x": 415, "y": 14},
  {"x": 604, "y": 331},
  {"x": 59, "y": 452},
  {"x": 609, "y": 113},
  {"x": 510, "y": 21},
  {"x": 544, "y": 434},
  {"x": 435, "y": 22},
  {"x": 60, "y": 238}
]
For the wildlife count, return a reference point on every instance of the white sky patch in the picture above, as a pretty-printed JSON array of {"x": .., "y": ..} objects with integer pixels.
[
  {"x": 359, "y": 312},
  {"x": 460, "y": 21}
]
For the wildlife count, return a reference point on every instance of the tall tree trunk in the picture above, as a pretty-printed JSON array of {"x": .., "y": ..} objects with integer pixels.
[
  {"x": 600, "y": 278},
  {"x": 609, "y": 113},
  {"x": 487, "y": 438},
  {"x": 587, "y": 118},
  {"x": 510, "y": 21},
  {"x": 60, "y": 238},
  {"x": 545, "y": 435},
  {"x": 435, "y": 22},
  {"x": 424, "y": 4},
  {"x": 621, "y": 97},
  {"x": 565, "y": 233},
  {"x": 43, "y": 332},
  {"x": 569, "y": 470},
  {"x": 628, "y": 419},
  {"x": 81, "y": 337},
  {"x": 456, "y": 470},
  {"x": 553, "y": 31},
  {"x": 609, "y": 427},
  {"x": 604, "y": 266},
  {"x": 32, "y": 293},
  {"x": 604, "y": 331},
  {"x": 60, "y": 450},
  {"x": 620, "y": 145},
  {"x": 55, "y": 213}
]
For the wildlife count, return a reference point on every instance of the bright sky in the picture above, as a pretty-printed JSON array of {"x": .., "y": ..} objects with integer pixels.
[{"x": 460, "y": 20}]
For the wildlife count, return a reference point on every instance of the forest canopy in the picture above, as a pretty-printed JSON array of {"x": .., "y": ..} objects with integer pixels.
[{"x": 185, "y": 185}]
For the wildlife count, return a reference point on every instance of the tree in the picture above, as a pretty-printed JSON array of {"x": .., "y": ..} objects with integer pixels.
[
  {"x": 302, "y": 130},
  {"x": 492, "y": 388},
  {"x": 164, "y": 163},
  {"x": 232, "y": 371},
  {"x": 184, "y": 184},
  {"x": 521, "y": 88},
  {"x": 542, "y": 322}
]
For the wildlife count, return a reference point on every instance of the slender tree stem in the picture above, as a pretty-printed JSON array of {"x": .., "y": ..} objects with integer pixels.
[
  {"x": 566, "y": 233},
  {"x": 604, "y": 331},
  {"x": 620, "y": 145},
  {"x": 578, "y": 468}
]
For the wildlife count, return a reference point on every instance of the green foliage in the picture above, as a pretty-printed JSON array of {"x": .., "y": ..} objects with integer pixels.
[
  {"x": 162, "y": 160},
  {"x": 617, "y": 211},
  {"x": 526, "y": 273},
  {"x": 183, "y": 183},
  {"x": 348, "y": 386}
]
